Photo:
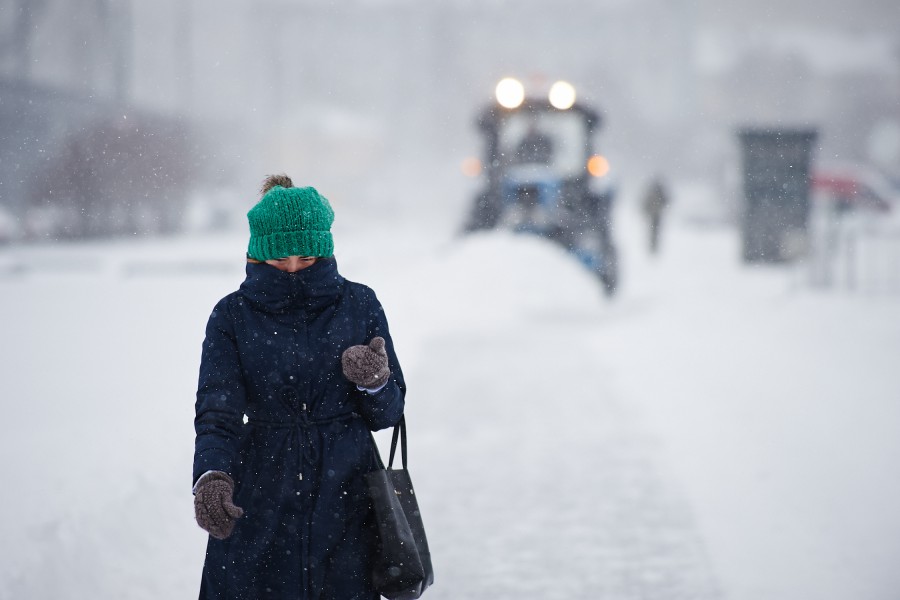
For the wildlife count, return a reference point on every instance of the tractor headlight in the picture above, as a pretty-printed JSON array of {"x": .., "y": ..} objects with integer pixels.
[
  {"x": 562, "y": 95},
  {"x": 510, "y": 92}
]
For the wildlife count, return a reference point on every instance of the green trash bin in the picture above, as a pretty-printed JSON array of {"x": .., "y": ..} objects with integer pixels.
[{"x": 776, "y": 174}]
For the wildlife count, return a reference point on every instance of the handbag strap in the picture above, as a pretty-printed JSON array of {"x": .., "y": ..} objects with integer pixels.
[
  {"x": 399, "y": 430},
  {"x": 399, "y": 433}
]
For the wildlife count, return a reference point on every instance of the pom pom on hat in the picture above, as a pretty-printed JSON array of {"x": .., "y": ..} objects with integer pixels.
[{"x": 289, "y": 221}]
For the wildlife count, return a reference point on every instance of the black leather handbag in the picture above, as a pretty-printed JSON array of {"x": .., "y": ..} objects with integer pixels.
[{"x": 402, "y": 567}]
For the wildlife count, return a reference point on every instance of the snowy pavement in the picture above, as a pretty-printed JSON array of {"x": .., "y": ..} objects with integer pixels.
[
  {"x": 713, "y": 432},
  {"x": 534, "y": 489}
]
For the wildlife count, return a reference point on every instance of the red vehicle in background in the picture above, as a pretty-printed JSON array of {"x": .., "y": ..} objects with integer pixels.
[{"x": 853, "y": 187}]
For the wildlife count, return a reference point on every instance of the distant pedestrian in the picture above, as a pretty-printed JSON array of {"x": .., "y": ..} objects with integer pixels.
[
  {"x": 297, "y": 368},
  {"x": 655, "y": 200}
]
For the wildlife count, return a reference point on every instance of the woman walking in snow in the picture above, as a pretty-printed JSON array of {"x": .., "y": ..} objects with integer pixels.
[{"x": 297, "y": 368}]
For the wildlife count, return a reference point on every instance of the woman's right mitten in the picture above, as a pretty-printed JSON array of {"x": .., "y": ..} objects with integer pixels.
[{"x": 213, "y": 505}]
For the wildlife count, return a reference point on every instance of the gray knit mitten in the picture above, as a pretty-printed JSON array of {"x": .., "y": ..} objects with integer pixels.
[
  {"x": 366, "y": 365},
  {"x": 213, "y": 506}
]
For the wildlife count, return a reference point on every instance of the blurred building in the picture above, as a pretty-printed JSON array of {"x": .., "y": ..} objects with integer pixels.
[
  {"x": 78, "y": 157},
  {"x": 364, "y": 92}
]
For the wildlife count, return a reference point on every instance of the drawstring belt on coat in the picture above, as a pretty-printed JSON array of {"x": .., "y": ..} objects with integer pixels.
[{"x": 307, "y": 450}]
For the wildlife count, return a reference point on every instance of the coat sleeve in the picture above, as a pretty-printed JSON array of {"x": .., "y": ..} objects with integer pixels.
[
  {"x": 383, "y": 408},
  {"x": 221, "y": 398}
]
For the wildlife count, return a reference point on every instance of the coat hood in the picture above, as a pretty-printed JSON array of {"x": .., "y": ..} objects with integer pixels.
[{"x": 277, "y": 291}]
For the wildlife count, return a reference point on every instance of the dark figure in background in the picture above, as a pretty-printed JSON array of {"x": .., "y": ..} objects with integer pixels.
[
  {"x": 535, "y": 148},
  {"x": 655, "y": 200},
  {"x": 297, "y": 368}
]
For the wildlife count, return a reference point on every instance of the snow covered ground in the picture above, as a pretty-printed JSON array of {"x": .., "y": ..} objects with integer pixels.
[{"x": 715, "y": 431}]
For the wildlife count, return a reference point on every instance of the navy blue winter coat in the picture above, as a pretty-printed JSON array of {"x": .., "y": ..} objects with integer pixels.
[{"x": 272, "y": 353}]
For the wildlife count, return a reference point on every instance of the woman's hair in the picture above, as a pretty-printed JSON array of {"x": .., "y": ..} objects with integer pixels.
[
  {"x": 268, "y": 183},
  {"x": 274, "y": 180}
]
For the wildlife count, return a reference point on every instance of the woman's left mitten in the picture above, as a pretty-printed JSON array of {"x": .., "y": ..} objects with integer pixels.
[
  {"x": 366, "y": 365},
  {"x": 213, "y": 505}
]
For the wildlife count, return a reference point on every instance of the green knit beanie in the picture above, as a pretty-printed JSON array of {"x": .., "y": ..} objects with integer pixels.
[{"x": 290, "y": 222}]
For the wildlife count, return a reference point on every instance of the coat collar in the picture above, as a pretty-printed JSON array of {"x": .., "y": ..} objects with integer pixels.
[{"x": 277, "y": 291}]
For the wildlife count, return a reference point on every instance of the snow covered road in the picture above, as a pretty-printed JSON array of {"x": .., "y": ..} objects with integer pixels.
[{"x": 711, "y": 433}]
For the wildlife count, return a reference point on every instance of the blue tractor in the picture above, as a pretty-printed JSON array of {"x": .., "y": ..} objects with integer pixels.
[{"x": 542, "y": 175}]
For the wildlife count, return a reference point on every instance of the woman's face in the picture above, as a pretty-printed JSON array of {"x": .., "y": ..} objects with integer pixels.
[{"x": 292, "y": 264}]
